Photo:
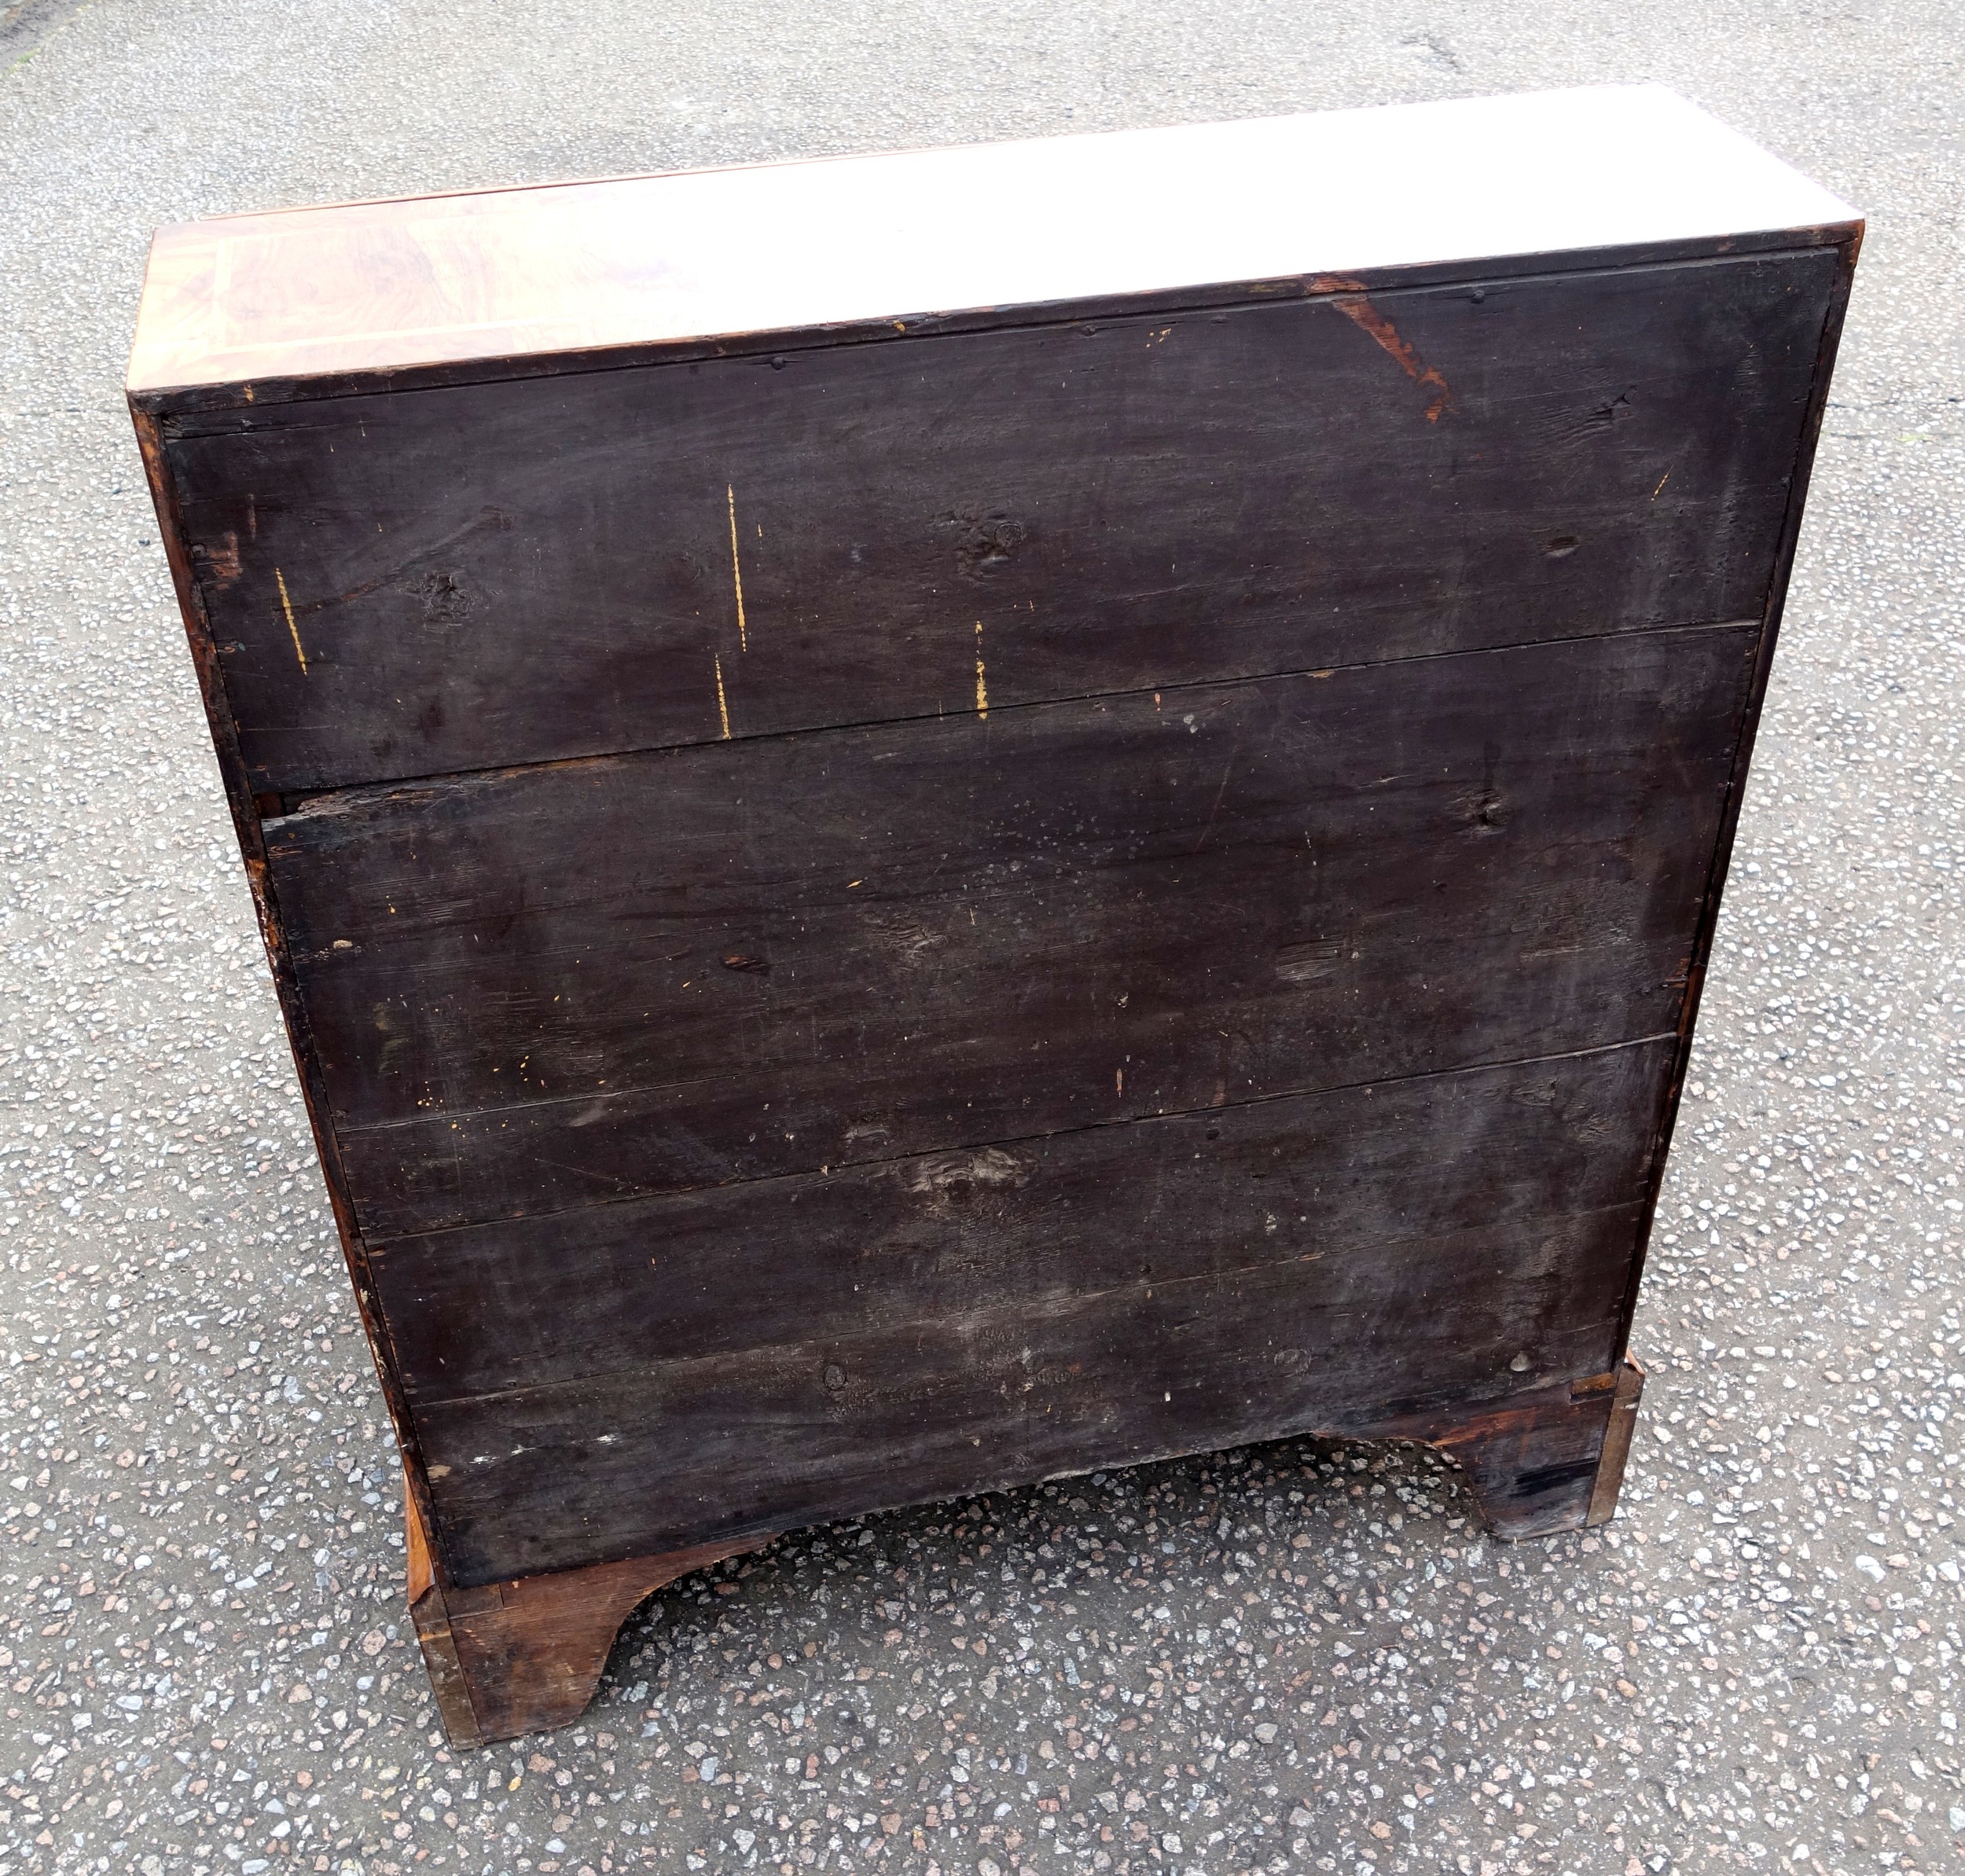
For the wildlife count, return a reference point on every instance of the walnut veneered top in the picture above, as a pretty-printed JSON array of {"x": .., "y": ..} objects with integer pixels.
[{"x": 711, "y": 255}]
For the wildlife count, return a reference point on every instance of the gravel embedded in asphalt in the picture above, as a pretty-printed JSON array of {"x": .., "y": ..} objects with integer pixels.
[{"x": 1303, "y": 1657}]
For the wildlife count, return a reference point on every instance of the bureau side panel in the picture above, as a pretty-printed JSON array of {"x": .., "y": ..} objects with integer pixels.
[
  {"x": 1798, "y": 480},
  {"x": 410, "y": 584},
  {"x": 247, "y": 826}
]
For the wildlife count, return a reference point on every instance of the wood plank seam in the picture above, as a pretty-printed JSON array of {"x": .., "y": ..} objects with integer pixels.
[
  {"x": 1159, "y": 1286},
  {"x": 489, "y": 542},
  {"x": 316, "y": 803},
  {"x": 966, "y": 1145}
]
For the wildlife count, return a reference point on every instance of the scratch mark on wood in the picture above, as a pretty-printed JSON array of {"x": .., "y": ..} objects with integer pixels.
[
  {"x": 1662, "y": 481},
  {"x": 286, "y": 606},
  {"x": 1220, "y": 794},
  {"x": 982, "y": 689},
  {"x": 736, "y": 573},
  {"x": 722, "y": 705},
  {"x": 1349, "y": 298}
]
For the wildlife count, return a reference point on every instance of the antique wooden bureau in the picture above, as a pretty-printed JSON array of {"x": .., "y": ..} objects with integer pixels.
[{"x": 929, "y": 820}]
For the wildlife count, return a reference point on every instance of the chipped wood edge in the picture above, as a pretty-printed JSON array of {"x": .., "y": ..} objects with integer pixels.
[
  {"x": 524, "y": 1656},
  {"x": 431, "y": 1619},
  {"x": 1532, "y": 1460},
  {"x": 1617, "y": 1443}
]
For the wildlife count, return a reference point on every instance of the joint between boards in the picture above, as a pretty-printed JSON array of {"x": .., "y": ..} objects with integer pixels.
[
  {"x": 191, "y": 410},
  {"x": 430, "y": 1619},
  {"x": 323, "y": 799},
  {"x": 386, "y": 1237},
  {"x": 430, "y": 1615}
]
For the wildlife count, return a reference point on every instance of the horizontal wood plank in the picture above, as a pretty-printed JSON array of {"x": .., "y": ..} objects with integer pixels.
[
  {"x": 531, "y": 990},
  {"x": 589, "y": 1469},
  {"x": 1302, "y": 1180},
  {"x": 803, "y": 1348},
  {"x": 421, "y": 583}
]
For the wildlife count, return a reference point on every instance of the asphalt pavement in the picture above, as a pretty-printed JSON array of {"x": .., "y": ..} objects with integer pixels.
[{"x": 1298, "y": 1657}]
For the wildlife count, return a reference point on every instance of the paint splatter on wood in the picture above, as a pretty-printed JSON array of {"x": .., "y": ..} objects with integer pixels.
[
  {"x": 737, "y": 573},
  {"x": 1350, "y": 299},
  {"x": 286, "y": 606}
]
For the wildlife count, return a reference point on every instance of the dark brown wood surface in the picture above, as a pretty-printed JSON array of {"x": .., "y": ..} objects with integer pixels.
[
  {"x": 736, "y": 1443},
  {"x": 544, "y": 987},
  {"x": 518, "y": 1656},
  {"x": 1547, "y": 1460},
  {"x": 959, "y": 1320},
  {"x": 417, "y": 583},
  {"x": 1320, "y": 1181}
]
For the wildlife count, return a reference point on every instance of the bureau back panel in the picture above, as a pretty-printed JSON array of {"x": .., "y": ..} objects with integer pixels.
[{"x": 873, "y": 912}]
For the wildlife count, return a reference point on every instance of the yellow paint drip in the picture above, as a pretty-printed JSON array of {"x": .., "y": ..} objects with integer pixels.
[
  {"x": 722, "y": 706},
  {"x": 737, "y": 571},
  {"x": 982, "y": 689},
  {"x": 286, "y": 606}
]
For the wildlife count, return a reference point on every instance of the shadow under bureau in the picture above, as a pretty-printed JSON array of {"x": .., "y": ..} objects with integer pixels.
[{"x": 929, "y": 821}]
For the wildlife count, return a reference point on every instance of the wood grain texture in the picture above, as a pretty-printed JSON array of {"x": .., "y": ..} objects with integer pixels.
[
  {"x": 420, "y": 583},
  {"x": 403, "y": 290},
  {"x": 532, "y": 990},
  {"x": 1304, "y": 1180},
  {"x": 734, "y": 1444},
  {"x": 1609, "y": 1481},
  {"x": 508, "y": 1658},
  {"x": 763, "y": 1355},
  {"x": 521, "y": 1657},
  {"x": 246, "y": 825},
  {"x": 1545, "y": 1461},
  {"x": 1798, "y": 479}
]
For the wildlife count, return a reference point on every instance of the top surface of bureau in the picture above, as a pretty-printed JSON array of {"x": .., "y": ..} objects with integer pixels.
[{"x": 421, "y": 286}]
